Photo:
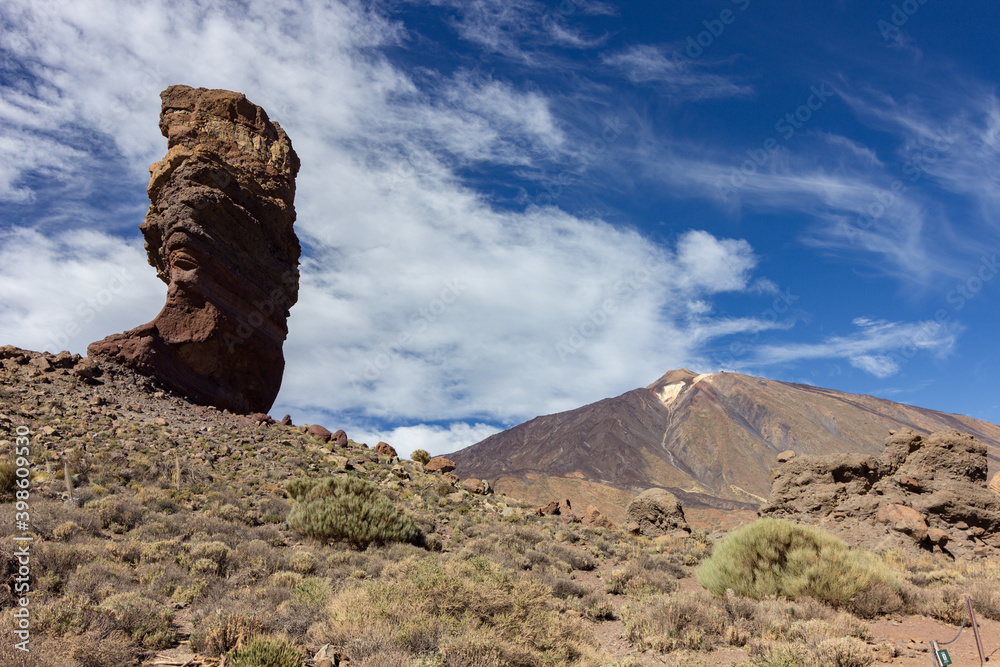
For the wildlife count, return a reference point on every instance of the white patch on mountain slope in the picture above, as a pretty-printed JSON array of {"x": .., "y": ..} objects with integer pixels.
[{"x": 668, "y": 393}]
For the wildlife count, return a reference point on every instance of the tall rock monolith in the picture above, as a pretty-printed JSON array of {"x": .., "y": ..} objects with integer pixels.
[{"x": 219, "y": 233}]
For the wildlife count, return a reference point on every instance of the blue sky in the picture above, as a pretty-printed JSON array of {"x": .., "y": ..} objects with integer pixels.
[{"x": 514, "y": 208}]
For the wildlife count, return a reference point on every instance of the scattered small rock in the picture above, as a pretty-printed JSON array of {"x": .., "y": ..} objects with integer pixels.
[
  {"x": 475, "y": 486},
  {"x": 385, "y": 449},
  {"x": 320, "y": 433},
  {"x": 657, "y": 512},
  {"x": 439, "y": 464},
  {"x": 938, "y": 537},
  {"x": 593, "y": 517},
  {"x": 904, "y": 520}
]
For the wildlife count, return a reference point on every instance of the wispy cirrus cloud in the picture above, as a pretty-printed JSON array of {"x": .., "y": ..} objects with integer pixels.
[
  {"x": 878, "y": 347},
  {"x": 681, "y": 78},
  {"x": 420, "y": 300},
  {"x": 520, "y": 29}
]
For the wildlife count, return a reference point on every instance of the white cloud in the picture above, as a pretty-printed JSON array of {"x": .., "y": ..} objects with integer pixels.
[
  {"x": 436, "y": 440},
  {"x": 64, "y": 292},
  {"x": 716, "y": 265},
  {"x": 879, "y": 347},
  {"x": 881, "y": 366},
  {"x": 682, "y": 78},
  {"x": 420, "y": 300},
  {"x": 848, "y": 195},
  {"x": 516, "y": 28}
]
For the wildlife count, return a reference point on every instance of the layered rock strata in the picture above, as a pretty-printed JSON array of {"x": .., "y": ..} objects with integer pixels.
[
  {"x": 219, "y": 233},
  {"x": 927, "y": 490}
]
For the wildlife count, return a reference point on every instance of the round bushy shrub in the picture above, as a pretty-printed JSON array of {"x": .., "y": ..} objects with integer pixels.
[
  {"x": 775, "y": 557},
  {"x": 8, "y": 479},
  {"x": 421, "y": 456},
  {"x": 347, "y": 508},
  {"x": 148, "y": 622},
  {"x": 263, "y": 651}
]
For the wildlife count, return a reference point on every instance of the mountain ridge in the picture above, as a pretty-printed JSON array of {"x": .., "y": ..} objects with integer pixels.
[{"x": 710, "y": 438}]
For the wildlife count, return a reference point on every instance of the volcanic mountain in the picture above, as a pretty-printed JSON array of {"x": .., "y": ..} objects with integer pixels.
[{"x": 711, "y": 439}]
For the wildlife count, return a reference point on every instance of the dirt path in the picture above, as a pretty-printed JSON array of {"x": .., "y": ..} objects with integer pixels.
[{"x": 915, "y": 634}]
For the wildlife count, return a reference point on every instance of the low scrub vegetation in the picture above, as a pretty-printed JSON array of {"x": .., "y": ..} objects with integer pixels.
[
  {"x": 772, "y": 557},
  {"x": 347, "y": 508},
  {"x": 171, "y": 526}
]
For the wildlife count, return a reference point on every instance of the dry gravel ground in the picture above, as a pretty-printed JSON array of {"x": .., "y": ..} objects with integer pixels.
[{"x": 198, "y": 477}]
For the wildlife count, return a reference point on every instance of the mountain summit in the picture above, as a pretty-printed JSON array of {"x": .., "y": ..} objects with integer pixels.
[{"x": 711, "y": 439}]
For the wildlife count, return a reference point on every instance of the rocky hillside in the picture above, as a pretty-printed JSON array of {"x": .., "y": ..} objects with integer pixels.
[
  {"x": 167, "y": 533},
  {"x": 710, "y": 439},
  {"x": 932, "y": 489}
]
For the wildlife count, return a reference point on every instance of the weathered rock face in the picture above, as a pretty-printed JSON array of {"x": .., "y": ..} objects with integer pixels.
[
  {"x": 439, "y": 464},
  {"x": 319, "y": 432},
  {"x": 219, "y": 233},
  {"x": 657, "y": 512},
  {"x": 931, "y": 489},
  {"x": 385, "y": 449},
  {"x": 995, "y": 483}
]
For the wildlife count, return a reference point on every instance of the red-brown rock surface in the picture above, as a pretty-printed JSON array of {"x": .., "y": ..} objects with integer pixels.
[
  {"x": 219, "y": 233},
  {"x": 932, "y": 489},
  {"x": 656, "y": 512},
  {"x": 385, "y": 449},
  {"x": 439, "y": 464},
  {"x": 319, "y": 432},
  {"x": 593, "y": 517}
]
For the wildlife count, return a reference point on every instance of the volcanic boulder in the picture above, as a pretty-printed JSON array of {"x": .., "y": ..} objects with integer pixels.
[
  {"x": 657, "y": 512},
  {"x": 439, "y": 464},
  {"x": 931, "y": 488},
  {"x": 219, "y": 233},
  {"x": 385, "y": 449},
  {"x": 319, "y": 432}
]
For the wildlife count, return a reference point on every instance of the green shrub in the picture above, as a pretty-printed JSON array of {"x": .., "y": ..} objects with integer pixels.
[
  {"x": 8, "y": 479},
  {"x": 149, "y": 623},
  {"x": 223, "y": 632},
  {"x": 216, "y": 553},
  {"x": 298, "y": 488},
  {"x": 348, "y": 508},
  {"x": 264, "y": 651},
  {"x": 302, "y": 562},
  {"x": 775, "y": 557},
  {"x": 119, "y": 512},
  {"x": 672, "y": 622},
  {"x": 421, "y": 456}
]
